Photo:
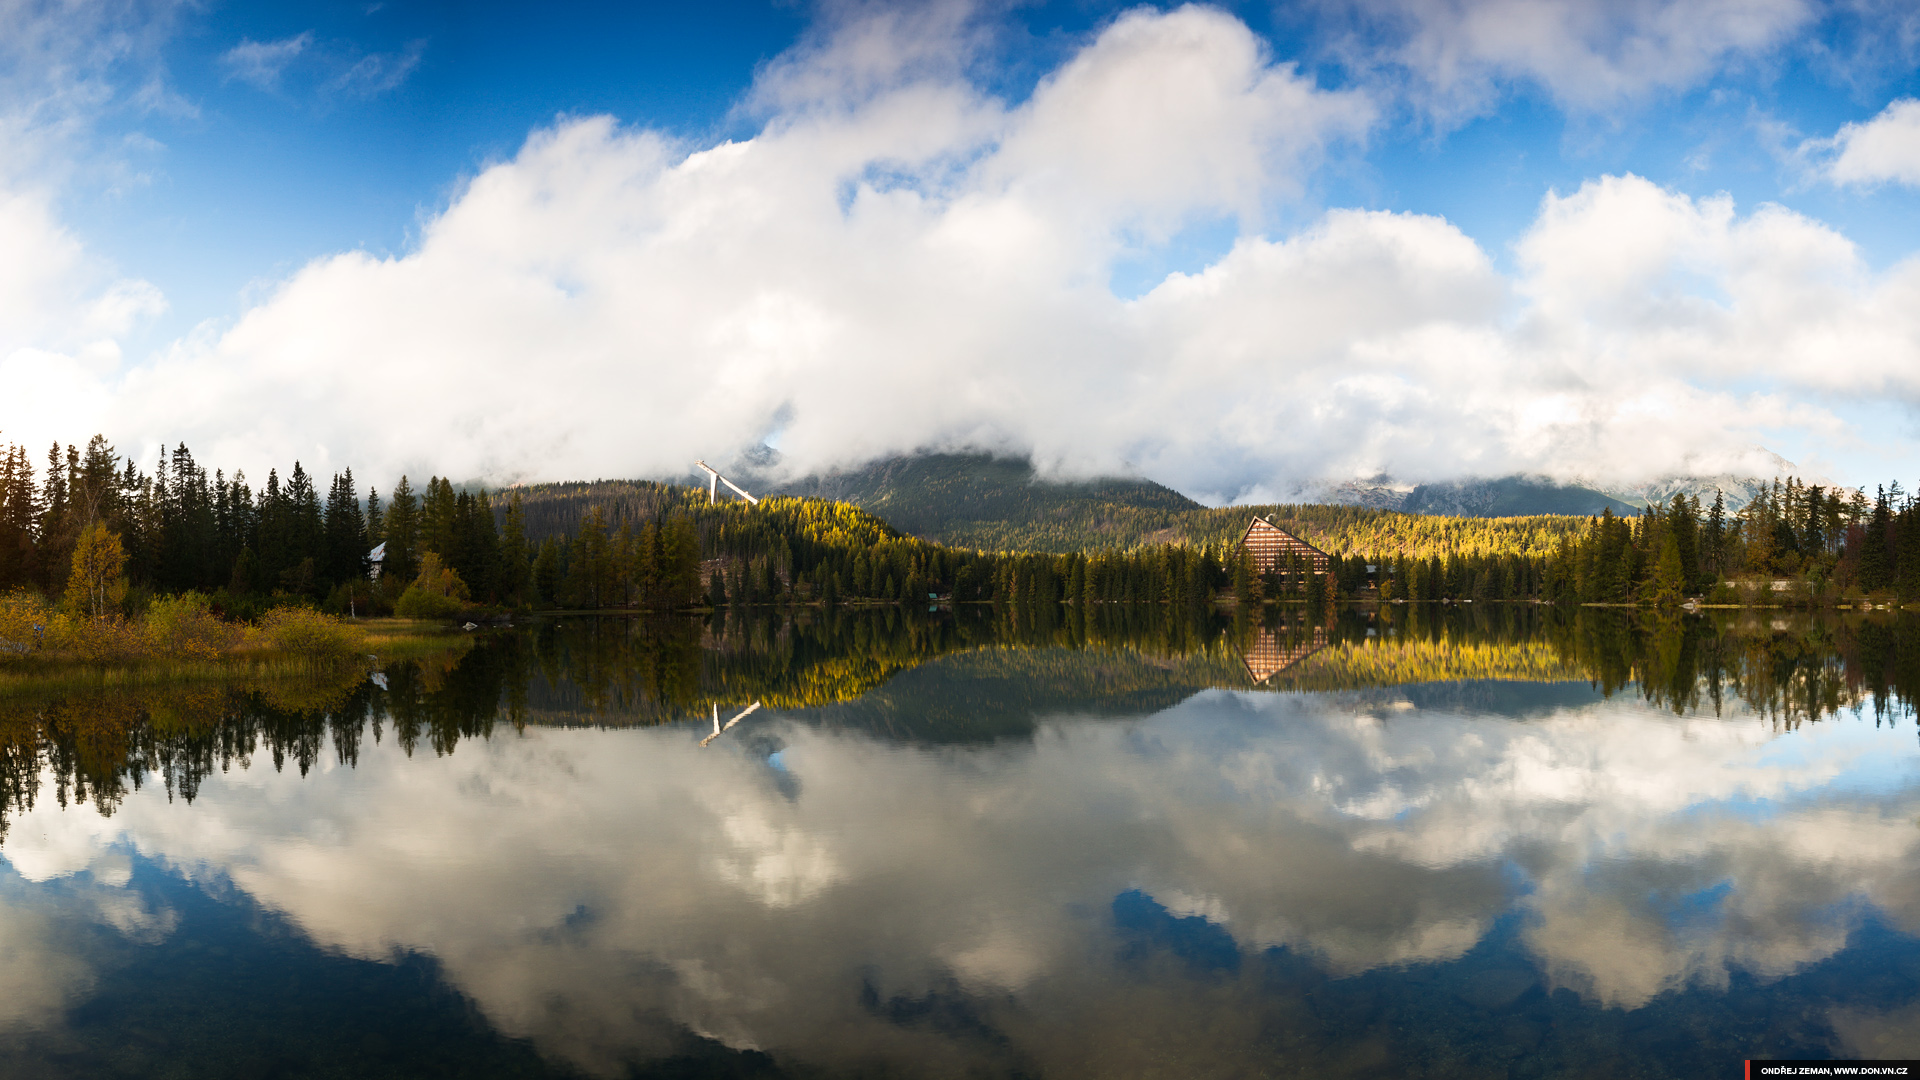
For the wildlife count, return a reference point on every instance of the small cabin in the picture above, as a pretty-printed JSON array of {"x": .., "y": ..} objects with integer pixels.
[{"x": 1270, "y": 545}]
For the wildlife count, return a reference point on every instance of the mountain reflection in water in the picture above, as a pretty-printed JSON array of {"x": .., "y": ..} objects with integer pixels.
[{"x": 1424, "y": 842}]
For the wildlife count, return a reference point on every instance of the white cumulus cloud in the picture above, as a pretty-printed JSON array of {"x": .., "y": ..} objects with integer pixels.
[
  {"x": 1883, "y": 149},
  {"x": 62, "y": 314},
  {"x": 900, "y": 259}
]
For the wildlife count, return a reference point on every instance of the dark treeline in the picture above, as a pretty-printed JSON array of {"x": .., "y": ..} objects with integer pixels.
[
  {"x": 1793, "y": 542},
  {"x": 180, "y": 527},
  {"x": 637, "y": 545},
  {"x": 185, "y": 529},
  {"x": 292, "y": 539}
]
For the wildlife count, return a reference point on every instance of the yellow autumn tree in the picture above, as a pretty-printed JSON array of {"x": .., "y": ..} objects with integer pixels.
[
  {"x": 438, "y": 592},
  {"x": 95, "y": 587}
]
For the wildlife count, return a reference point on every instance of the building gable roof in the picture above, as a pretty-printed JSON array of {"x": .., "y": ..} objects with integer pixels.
[{"x": 1263, "y": 525}]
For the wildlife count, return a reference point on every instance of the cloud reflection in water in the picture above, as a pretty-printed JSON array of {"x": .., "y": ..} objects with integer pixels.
[{"x": 591, "y": 889}]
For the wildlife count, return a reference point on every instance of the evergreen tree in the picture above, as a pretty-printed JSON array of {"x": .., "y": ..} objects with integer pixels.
[
  {"x": 55, "y": 532},
  {"x": 306, "y": 536},
  {"x": 402, "y": 534},
  {"x": 438, "y": 510},
  {"x": 376, "y": 520},
  {"x": 19, "y": 518},
  {"x": 475, "y": 543},
  {"x": 514, "y": 574},
  {"x": 547, "y": 572},
  {"x": 242, "y": 535},
  {"x": 1876, "y": 562},
  {"x": 1713, "y": 547},
  {"x": 346, "y": 531},
  {"x": 1683, "y": 525},
  {"x": 97, "y": 488},
  {"x": 590, "y": 565},
  {"x": 1669, "y": 583}
]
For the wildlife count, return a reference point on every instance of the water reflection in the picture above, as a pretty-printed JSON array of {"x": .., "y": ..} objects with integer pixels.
[{"x": 1038, "y": 843}]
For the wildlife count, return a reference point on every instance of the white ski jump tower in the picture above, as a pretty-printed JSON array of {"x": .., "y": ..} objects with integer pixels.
[{"x": 714, "y": 480}]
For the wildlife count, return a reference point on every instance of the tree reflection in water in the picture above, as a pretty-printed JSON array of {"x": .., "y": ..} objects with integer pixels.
[
  {"x": 1031, "y": 839},
  {"x": 1017, "y": 662}
]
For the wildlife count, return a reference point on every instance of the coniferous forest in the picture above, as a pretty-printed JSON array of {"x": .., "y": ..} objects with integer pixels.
[{"x": 90, "y": 529}]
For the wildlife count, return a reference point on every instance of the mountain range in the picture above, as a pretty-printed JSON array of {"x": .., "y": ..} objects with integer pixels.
[
  {"x": 1511, "y": 496},
  {"x": 1003, "y": 504}
]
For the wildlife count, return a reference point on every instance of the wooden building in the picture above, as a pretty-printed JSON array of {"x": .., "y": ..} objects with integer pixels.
[{"x": 1271, "y": 544}]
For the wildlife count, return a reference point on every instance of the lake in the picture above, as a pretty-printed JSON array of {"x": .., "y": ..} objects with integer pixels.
[{"x": 1424, "y": 842}]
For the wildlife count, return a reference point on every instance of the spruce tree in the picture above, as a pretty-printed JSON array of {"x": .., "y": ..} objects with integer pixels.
[
  {"x": 402, "y": 534},
  {"x": 546, "y": 573},
  {"x": 346, "y": 531},
  {"x": 273, "y": 551},
  {"x": 514, "y": 571},
  {"x": 376, "y": 520},
  {"x": 1876, "y": 562},
  {"x": 55, "y": 526},
  {"x": 19, "y": 517},
  {"x": 1669, "y": 582},
  {"x": 306, "y": 537},
  {"x": 438, "y": 510}
]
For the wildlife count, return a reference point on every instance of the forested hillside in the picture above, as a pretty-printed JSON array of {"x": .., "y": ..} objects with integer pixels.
[
  {"x": 939, "y": 495},
  {"x": 997, "y": 504},
  {"x": 1338, "y": 530}
]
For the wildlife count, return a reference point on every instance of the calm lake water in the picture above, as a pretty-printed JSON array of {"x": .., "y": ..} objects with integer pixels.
[{"x": 1510, "y": 842}]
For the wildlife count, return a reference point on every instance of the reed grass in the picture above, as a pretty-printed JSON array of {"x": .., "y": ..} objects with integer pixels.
[{"x": 372, "y": 642}]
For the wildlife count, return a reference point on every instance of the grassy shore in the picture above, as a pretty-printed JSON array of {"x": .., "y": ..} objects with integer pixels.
[{"x": 341, "y": 649}]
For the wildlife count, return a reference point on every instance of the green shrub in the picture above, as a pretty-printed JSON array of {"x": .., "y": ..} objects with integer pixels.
[
  {"x": 419, "y": 602},
  {"x": 185, "y": 625},
  {"x": 309, "y": 632}
]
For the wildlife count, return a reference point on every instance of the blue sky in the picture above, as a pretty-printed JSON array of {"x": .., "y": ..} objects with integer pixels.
[{"x": 213, "y": 159}]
